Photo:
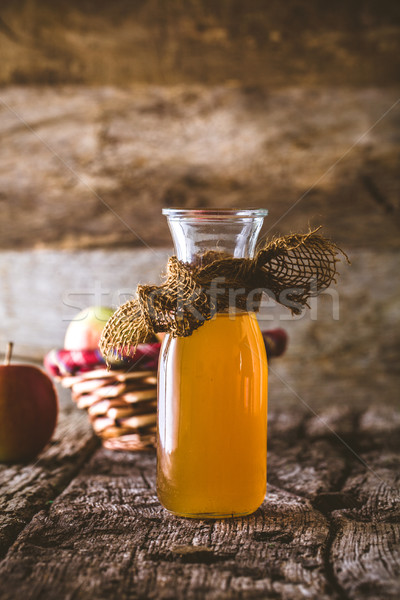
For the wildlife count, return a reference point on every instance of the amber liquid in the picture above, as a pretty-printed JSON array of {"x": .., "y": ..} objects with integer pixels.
[{"x": 212, "y": 419}]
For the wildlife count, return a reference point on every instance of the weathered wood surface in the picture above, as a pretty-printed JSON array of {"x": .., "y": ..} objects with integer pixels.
[
  {"x": 365, "y": 552},
  {"x": 327, "y": 529},
  {"x": 27, "y": 488}
]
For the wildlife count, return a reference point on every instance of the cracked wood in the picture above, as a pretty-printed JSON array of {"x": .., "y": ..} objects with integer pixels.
[
  {"x": 26, "y": 488},
  {"x": 327, "y": 529}
]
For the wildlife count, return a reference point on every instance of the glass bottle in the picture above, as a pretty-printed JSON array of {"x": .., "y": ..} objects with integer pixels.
[{"x": 212, "y": 387}]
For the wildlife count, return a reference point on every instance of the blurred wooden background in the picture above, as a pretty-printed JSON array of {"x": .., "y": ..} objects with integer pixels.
[
  {"x": 110, "y": 111},
  {"x": 170, "y": 42}
]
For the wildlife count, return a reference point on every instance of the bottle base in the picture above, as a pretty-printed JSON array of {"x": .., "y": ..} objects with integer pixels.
[{"x": 212, "y": 515}]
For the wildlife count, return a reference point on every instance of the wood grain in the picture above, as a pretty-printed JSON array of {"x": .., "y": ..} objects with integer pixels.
[
  {"x": 365, "y": 552},
  {"x": 27, "y": 488},
  {"x": 328, "y": 527},
  {"x": 108, "y": 529}
]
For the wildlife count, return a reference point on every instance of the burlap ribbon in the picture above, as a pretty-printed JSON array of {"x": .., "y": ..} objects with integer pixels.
[{"x": 291, "y": 269}]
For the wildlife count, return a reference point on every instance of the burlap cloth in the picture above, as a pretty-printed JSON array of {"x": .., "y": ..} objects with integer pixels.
[{"x": 290, "y": 269}]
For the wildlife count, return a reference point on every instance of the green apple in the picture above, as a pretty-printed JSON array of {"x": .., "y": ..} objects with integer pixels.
[{"x": 84, "y": 332}]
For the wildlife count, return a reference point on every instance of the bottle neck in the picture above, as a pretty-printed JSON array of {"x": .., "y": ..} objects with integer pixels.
[{"x": 229, "y": 232}]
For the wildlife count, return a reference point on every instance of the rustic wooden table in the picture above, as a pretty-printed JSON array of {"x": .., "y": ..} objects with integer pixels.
[{"x": 82, "y": 522}]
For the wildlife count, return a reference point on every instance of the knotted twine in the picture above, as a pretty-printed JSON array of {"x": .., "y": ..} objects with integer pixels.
[{"x": 291, "y": 269}]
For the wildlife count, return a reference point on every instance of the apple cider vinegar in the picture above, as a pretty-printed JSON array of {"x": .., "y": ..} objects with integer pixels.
[
  {"x": 212, "y": 384},
  {"x": 213, "y": 419}
]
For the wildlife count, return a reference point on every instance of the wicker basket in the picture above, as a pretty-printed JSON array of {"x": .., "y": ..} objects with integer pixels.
[{"x": 122, "y": 406}]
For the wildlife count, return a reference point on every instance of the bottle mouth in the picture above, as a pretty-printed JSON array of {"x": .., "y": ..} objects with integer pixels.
[{"x": 214, "y": 214}]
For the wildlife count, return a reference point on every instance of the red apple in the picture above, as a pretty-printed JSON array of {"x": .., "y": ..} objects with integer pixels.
[
  {"x": 28, "y": 411},
  {"x": 85, "y": 330}
]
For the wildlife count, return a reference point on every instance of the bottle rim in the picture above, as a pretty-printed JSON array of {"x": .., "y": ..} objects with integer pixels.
[{"x": 214, "y": 213}]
